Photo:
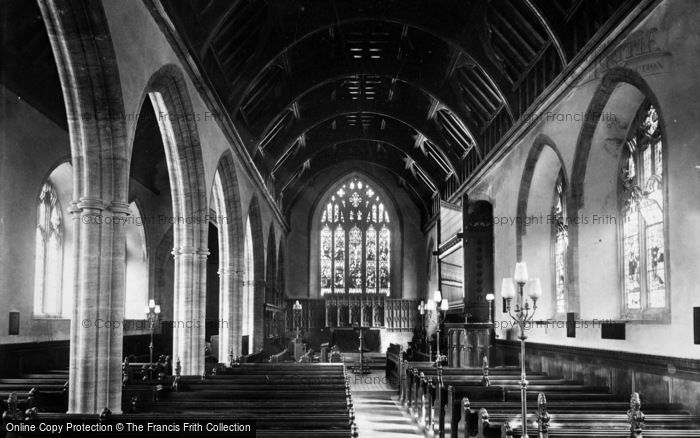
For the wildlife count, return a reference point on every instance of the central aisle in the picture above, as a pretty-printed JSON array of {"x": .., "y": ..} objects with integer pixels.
[{"x": 377, "y": 411}]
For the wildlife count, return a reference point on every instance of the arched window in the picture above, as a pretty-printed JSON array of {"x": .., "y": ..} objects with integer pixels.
[
  {"x": 560, "y": 241},
  {"x": 49, "y": 254},
  {"x": 642, "y": 210},
  {"x": 355, "y": 241}
]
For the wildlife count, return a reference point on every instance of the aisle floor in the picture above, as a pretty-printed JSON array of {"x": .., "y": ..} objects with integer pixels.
[{"x": 378, "y": 413}]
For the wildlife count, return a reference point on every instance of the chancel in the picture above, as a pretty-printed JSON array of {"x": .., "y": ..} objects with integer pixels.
[{"x": 374, "y": 218}]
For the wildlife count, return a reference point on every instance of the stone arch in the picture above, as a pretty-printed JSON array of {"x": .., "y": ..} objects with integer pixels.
[
  {"x": 80, "y": 37},
  {"x": 621, "y": 90},
  {"x": 231, "y": 237},
  {"x": 258, "y": 239},
  {"x": 542, "y": 168},
  {"x": 168, "y": 93}
]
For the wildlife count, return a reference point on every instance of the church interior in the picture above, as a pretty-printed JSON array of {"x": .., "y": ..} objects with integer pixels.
[{"x": 373, "y": 218}]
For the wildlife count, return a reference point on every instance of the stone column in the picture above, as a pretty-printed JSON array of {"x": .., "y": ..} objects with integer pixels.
[
  {"x": 189, "y": 310},
  {"x": 226, "y": 314},
  {"x": 258, "y": 315},
  {"x": 96, "y": 328}
]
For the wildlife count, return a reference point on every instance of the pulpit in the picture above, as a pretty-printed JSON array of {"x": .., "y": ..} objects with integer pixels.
[{"x": 467, "y": 344}]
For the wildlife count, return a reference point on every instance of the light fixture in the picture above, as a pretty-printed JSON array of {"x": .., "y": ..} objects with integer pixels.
[
  {"x": 445, "y": 305},
  {"x": 534, "y": 289},
  {"x": 522, "y": 316},
  {"x": 153, "y": 315},
  {"x": 520, "y": 275},
  {"x": 507, "y": 289},
  {"x": 437, "y": 296},
  {"x": 296, "y": 308},
  {"x": 431, "y": 306},
  {"x": 421, "y": 307},
  {"x": 490, "y": 297}
]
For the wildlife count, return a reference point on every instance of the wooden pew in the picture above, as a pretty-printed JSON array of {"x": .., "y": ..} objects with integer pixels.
[
  {"x": 272, "y": 425},
  {"x": 293, "y": 399},
  {"x": 394, "y": 360},
  {"x": 632, "y": 423}
]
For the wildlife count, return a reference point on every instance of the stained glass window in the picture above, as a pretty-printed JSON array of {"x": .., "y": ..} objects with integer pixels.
[
  {"x": 384, "y": 259},
  {"x": 339, "y": 257},
  {"x": 355, "y": 245},
  {"x": 49, "y": 254},
  {"x": 643, "y": 242},
  {"x": 355, "y": 241},
  {"x": 371, "y": 265},
  {"x": 326, "y": 261},
  {"x": 561, "y": 243}
]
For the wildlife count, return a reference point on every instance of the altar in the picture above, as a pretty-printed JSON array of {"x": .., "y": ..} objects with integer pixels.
[{"x": 348, "y": 341}]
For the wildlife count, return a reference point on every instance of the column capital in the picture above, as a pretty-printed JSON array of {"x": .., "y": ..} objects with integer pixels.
[
  {"x": 183, "y": 250},
  {"x": 86, "y": 203},
  {"x": 119, "y": 207}
]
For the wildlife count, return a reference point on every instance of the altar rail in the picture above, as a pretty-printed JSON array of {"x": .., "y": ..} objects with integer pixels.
[{"x": 394, "y": 314}]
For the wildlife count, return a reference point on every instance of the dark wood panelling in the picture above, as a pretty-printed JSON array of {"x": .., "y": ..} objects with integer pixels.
[{"x": 656, "y": 378}]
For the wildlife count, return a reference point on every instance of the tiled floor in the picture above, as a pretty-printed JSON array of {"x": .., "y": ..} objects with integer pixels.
[{"x": 377, "y": 411}]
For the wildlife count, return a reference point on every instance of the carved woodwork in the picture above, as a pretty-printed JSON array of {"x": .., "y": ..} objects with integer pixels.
[{"x": 467, "y": 344}]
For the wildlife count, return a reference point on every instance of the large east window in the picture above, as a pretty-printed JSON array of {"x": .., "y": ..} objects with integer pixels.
[
  {"x": 355, "y": 241},
  {"x": 642, "y": 194},
  {"x": 49, "y": 254}
]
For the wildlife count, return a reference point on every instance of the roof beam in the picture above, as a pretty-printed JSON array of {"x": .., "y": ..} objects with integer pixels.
[
  {"x": 553, "y": 37},
  {"x": 398, "y": 146},
  {"x": 289, "y": 138},
  {"x": 444, "y": 23}
]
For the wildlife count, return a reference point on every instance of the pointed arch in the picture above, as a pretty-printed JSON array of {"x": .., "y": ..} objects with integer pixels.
[
  {"x": 350, "y": 253},
  {"x": 80, "y": 37},
  {"x": 226, "y": 197},
  {"x": 254, "y": 277},
  {"x": 170, "y": 99},
  {"x": 621, "y": 92},
  {"x": 543, "y": 169}
]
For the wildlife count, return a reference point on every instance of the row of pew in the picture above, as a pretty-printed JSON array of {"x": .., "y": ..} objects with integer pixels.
[
  {"x": 486, "y": 402},
  {"x": 283, "y": 399},
  {"x": 47, "y": 391}
]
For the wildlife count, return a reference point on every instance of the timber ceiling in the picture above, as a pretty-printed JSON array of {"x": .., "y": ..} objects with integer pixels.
[{"x": 422, "y": 88}]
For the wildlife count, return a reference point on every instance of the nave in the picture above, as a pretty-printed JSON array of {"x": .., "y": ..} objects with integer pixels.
[{"x": 229, "y": 210}]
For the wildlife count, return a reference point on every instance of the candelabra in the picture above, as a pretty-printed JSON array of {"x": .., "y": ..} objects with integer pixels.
[
  {"x": 441, "y": 305},
  {"x": 522, "y": 316},
  {"x": 297, "y": 317},
  {"x": 153, "y": 314}
]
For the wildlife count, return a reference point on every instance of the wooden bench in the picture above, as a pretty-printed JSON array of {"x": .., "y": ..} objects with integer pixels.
[
  {"x": 291, "y": 399},
  {"x": 394, "y": 359},
  {"x": 632, "y": 423},
  {"x": 274, "y": 425}
]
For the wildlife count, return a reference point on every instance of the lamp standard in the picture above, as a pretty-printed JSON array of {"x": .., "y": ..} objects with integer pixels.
[
  {"x": 297, "y": 316},
  {"x": 441, "y": 305},
  {"x": 490, "y": 298},
  {"x": 421, "y": 310},
  {"x": 522, "y": 316},
  {"x": 153, "y": 314}
]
